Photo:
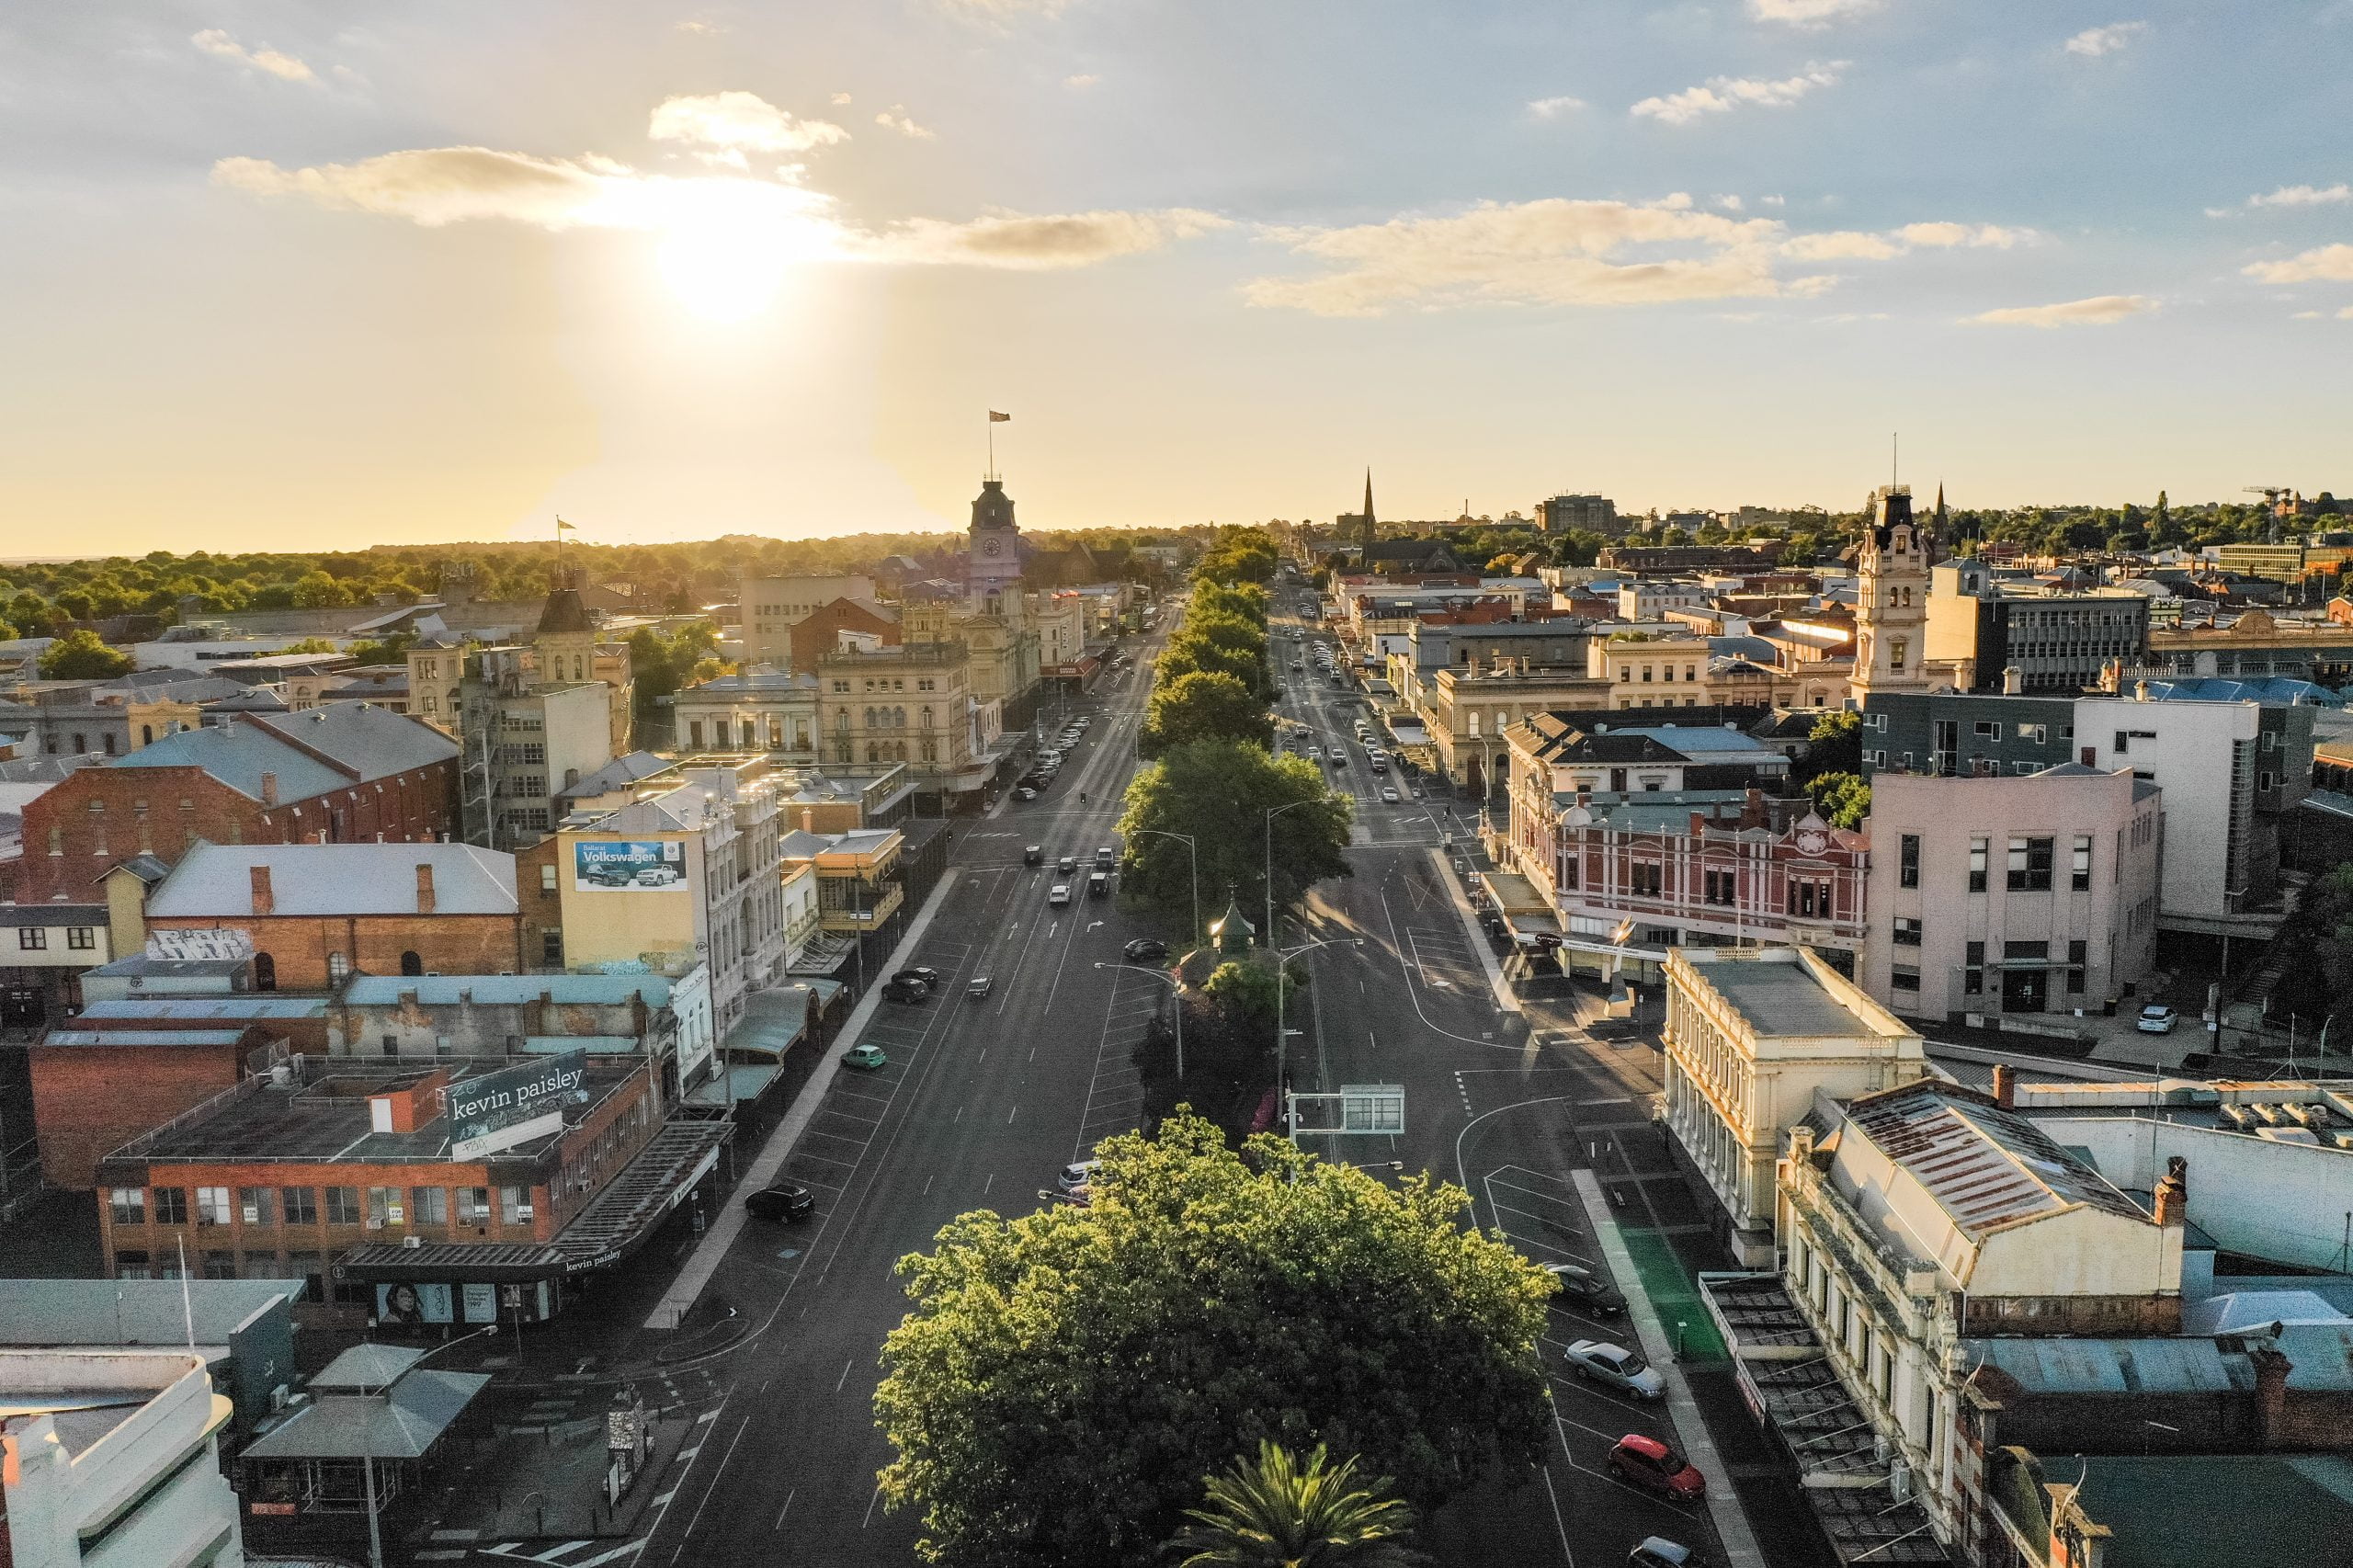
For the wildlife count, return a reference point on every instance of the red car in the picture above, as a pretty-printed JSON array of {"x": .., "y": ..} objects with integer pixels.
[{"x": 1653, "y": 1466}]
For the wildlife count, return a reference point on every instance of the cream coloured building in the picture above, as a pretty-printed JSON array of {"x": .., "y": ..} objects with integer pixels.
[{"x": 1754, "y": 1036}]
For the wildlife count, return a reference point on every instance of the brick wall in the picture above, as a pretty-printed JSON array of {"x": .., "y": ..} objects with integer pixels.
[
  {"x": 298, "y": 946},
  {"x": 90, "y": 1101},
  {"x": 98, "y": 817}
]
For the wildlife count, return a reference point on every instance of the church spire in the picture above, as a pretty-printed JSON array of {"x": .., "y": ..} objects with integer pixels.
[{"x": 1369, "y": 529}]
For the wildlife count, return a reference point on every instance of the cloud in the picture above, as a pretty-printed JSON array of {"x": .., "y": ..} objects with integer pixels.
[
  {"x": 895, "y": 119},
  {"x": 2093, "y": 42},
  {"x": 1848, "y": 244},
  {"x": 221, "y": 46},
  {"x": 2304, "y": 195},
  {"x": 999, "y": 11},
  {"x": 737, "y": 122},
  {"x": 1809, "y": 13},
  {"x": 1729, "y": 203},
  {"x": 1039, "y": 243},
  {"x": 1551, "y": 252},
  {"x": 1977, "y": 237},
  {"x": 1553, "y": 108},
  {"x": 1722, "y": 94},
  {"x": 435, "y": 186},
  {"x": 2100, "y": 309},
  {"x": 2326, "y": 264},
  {"x": 2345, "y": 314},
  {"x": 1082, "y": 81},
  {"x": 1841, "y": 246},
  {"x": 1775, "y": 200},
  {"x": 696, "y": 24}
]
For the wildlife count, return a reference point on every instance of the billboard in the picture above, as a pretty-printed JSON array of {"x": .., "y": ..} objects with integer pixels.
[
  {"x": 627, "y": 865},
  {"x": 513, "y": 1104}
]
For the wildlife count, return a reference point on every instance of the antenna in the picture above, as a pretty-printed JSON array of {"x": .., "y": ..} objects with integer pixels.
[{"x": 1894, "y": 456}]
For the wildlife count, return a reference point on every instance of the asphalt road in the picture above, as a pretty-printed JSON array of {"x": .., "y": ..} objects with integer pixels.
[{"x": 983, "y": 1101}]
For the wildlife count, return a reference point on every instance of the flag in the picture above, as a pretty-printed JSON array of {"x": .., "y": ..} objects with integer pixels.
[
  {"x": 996, "y": 418},
  {"x": 560, "y": 525}
]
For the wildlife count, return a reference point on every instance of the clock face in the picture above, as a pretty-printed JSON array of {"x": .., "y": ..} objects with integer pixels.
[{"x": 993, "y": 547}]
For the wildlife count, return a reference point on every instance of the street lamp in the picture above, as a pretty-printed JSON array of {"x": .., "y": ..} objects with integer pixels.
[
  {"x": 1272, "y": 812},
  {"x": 367, "y": 1443},
  {"x": 1174, "y": 984},
  {"x": 1282, "y": 962},
  {"x": 1192, "y": 852}
]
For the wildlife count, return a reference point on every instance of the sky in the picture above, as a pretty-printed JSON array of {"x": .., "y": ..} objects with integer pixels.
[{"x": 303, "y": 276}]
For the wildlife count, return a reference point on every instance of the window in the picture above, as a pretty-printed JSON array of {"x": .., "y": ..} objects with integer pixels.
[
  {"x": 694, "y": 734},
  {"x": 552, "y": 948},
  {"x": 1987, "y": 729},
  {"x": 1646, "y": 880},
  {"x": 133, "y": 1265},
  {"x": 1903, "y": 978},
  {"x": 311, "y": 1268},
  {"x": 1717, "y": 887},
  {"x": 33, "y": 938},
  {"x": 128, "y": 1205},
  {"x": 2123, "y": 742},
  {"x": 253, "y": 1205},
  {"x": 1907, "y": 862},
  {"x": 81, "y": 937},
  {"x": 2021, "y": 952},
  {"x": 171, "y": 1206},
  {"x": 428, "y": 1206},
  {"x": 265, "y": 973},
  {"x": 1977, "y": 854},
  {"x": 302, "y": 1204},
  {"x": 1972, "y": 976},
  {"x": 2079, "y": 872},
  {"x": 515, "y": 1205},
  {"x": 2266, "y": 781},
  {"x": 1907, "y": 932},
  {"x": 384, "y": 1206},
  {"x": 547, "y": 880},
  {"x": 343, "y": 1206},
  {"x": 474, "y": 1205},
  {"x": 219, "y": 1264},
  {"x": 211, "y": 1205},
  {"x": 411, "y": 963},
  {"x": 2029, "y": 868}
]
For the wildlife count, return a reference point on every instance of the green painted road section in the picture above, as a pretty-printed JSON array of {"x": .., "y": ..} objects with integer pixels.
[{"x": 1674, "y": 1294}]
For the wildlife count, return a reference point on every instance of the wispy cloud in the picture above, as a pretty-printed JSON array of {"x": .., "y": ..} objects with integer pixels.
[
  {"x": 840, "y": 99},
  {"x": 1729, "y": 203},
  {"x": 1082, "y": 81},
  {"x": 1978, "y": 236},
  {"x": 2093, "y": 42},
  {"x": 1847, "y": 244},
  {"x": 2100, "y": 309},
  {"x": 2304, "y": 195},
  {"x": 1809, "y": 13},
  {"x": 895, "y": 119},
  {"x": 697, "y": 26},
  {"x": 734, "y": 123},
  {"x": 1038, "y": 243},
  {"x": 1553, "y": 108},
  {"x": 2323, "y": 264},
  {"x": 1722, "y": 94},
  {"x": 270, "y": 62}
]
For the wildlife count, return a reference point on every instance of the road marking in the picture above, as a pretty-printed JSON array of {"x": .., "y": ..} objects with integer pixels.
[
  {"x": 983, "y": 1056},
  {"x": 870, "y": 1508},
  {"x": 1011, "y": 1114},
  {"x": 1621, "y": 1100},
  {"x": 845, "y": 1377},
  {"x": 787, "y": 1504},
  {"x": 928, "y": 1181},
  {"x": 715, "y": 1477},
  {"x": 988, "y": 1184},
  {"x": 1558, "y": 1523}
]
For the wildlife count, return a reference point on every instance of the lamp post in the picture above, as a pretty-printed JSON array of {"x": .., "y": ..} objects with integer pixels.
[
  {"x": 1172, "y": 986},
  {"x": 1192, "y": 853},
  {"x": 1272, "y": 812},
  {"x": 1282, "y": 962}
]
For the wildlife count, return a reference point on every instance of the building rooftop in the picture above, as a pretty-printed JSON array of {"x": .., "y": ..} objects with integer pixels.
[
  {"x": 1781, "y": 997},
  {"x": 52, "y": 914},
  {"x": 143, "y": 1036},
  {"x": 505, "y": 990},
  {"x": 215, "y": 880},
  {"x": 246, "y": 1008},
  {"x": 1985, "y": 1167},
  {"x": 135, "y": 1312},
  {"x": 306, "y": 754}
]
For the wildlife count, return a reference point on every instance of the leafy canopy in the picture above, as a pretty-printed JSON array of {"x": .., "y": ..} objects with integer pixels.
[
  {"x": 1066, "y": 1378},
  {"x": 1217, "y": 793},
  {"x": 79, "y": 656},
  {"x": 1204, "y": 705},
  {"x": 1844, "y": 799}
]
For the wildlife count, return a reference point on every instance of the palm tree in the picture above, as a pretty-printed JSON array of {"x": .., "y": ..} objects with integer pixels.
[{"x": 1279, "y": 1513}]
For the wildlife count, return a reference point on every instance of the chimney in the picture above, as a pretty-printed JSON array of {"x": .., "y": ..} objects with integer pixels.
[
  {"x": 2271, "y": 1370},
  {"x": 425, "y": 887},
  {"x": 2173, "y": 1193},
  {"x": 270, "y": 788},
  {"x": 2140, "y": 691},
  {"x": 808, "y": 819},
  {"x": 2012, "y": 681},
  {"x": 2005, "y": 1085},
  {"x": 264, "y": 901}
]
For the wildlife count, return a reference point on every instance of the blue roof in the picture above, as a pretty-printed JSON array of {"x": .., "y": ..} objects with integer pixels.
[
  {"x": 495, "y": 990},
  {"x": 1692, "y": 739},
  {"x": 2265, "y": 688}
]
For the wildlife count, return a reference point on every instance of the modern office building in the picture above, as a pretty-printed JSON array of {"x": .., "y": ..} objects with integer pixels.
[{"x": 2056, "y": 637}]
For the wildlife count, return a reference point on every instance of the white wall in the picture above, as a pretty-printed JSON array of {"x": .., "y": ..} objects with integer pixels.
[
  {"x": 2283, "y": 1202},
  {"x": 2190, "y": 759}
]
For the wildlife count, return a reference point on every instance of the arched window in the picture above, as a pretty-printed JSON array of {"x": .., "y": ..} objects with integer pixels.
[
  {"x": 411, "y": 963},
  {"x": 927, "y": 718},
  {"x": 265, "y": 973}
]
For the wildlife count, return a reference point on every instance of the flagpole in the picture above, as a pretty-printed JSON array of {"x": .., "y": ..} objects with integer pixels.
[{"x": 991, "y": 422}]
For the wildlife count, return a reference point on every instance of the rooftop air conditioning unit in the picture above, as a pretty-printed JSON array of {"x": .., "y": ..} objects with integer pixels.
[
  {"x": 411, "y": 1240},
  {"x": 1898, "y": 1481}
]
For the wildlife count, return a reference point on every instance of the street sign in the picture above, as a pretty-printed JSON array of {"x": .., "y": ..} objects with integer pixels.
[{"x": 1373, "y": 1108}]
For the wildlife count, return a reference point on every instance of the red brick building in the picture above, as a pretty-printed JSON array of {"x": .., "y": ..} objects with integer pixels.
[
  {"x": 343, "y": 773},
  {"x": 318, "y": 913},
  {"x": 819, "y": 632},
  {"x": 94, "y": 1092}
]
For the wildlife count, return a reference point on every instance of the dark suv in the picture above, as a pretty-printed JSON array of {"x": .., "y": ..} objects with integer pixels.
[{"x": 904, "y": 989}]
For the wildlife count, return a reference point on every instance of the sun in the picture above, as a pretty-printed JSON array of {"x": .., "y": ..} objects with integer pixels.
[{"x": 728, "y": 245}]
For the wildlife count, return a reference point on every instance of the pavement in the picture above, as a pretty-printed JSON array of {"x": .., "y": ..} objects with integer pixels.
[{"x": 776, "y": 1360}]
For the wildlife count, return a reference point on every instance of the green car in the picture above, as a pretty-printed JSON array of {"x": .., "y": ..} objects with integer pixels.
[{"x": 867, "y": 1057}]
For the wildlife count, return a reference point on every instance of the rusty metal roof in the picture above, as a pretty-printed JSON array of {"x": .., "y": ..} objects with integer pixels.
[{"x": 1985, "y": 1166}]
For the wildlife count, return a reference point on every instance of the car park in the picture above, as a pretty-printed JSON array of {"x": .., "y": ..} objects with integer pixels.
[
  {"x": 2156, "y": 1019},
  {"x": 1584, "y": 1290},
  {"x": 1598, "y": 1360},
  {"x": 1060, "y": 894},
  {"x": 1653, "y": 1466},
  {"x": 908, "y": 991},
  {"x": 786, "y": 1200},
  {"x": 1145, "y": 950},
  {"x": 865, "y": 1058}
]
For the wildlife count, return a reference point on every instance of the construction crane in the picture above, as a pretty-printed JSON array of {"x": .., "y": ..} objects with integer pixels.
[{"x": 2271, "y": 494}]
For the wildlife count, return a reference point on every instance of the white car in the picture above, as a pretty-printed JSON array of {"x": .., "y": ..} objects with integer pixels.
[
  {"x": 1061, "y": 893},
  {"x": 1621, "y": 1369},
  {"x": 1389, "y": 794},
  {"x": 2156, "y": 1019}
]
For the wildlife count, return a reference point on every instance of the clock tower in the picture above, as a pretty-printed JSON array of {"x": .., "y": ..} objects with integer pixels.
[
  {"x": 1891, "y": 598},
  {"x": 994, "y": 567}
]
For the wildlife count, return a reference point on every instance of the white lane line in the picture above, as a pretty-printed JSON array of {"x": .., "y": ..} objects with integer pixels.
[
  {"x": 845, "y": 1377},
  {"x": 716, "y": 1477},
  {"x": 787, "y": 1509}
]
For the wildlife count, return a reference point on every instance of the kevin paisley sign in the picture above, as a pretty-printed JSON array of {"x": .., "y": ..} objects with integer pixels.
[{"x": 513, "y": 1105}]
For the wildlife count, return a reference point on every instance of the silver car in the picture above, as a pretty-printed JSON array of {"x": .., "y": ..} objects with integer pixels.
[{"x": 1621, "y": 1369}]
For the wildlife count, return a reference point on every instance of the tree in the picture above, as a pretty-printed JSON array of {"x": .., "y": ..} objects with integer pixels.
[
  {"x": 316, "y": 590},
  {"x": 308, "y": 645},
  {"x": 1217, "y": 793},
  {"x": 1202, "y": 705},
  {"x": 1065, "y": 1378},
  {"x": 79, "y": 656},
  {"x": 1835, "y": 745},
  {"x": 1278, "y": 1513},
  {"x": 1843, "y": 799},
  {"x": 1188, "y": 651}
]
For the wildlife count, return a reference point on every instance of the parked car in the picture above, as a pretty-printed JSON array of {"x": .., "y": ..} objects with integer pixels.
[
  {"x": 2156, "y": 1019},
  {"x": 1025, "y": 793},
  {"x": 977, "y": 987},
  {"x": 1145, "y": 950},
  {"x": 1105, "y": 857},
  {"x": 918, "y": 972},
  {"x": 785, "y": 1200},
  {"x": 865, "y": 1058},
  {"x": 1059, "y": 894},
  {"x": 1584, "y": 1290},
  {"x": 904, "y": 990},
  {"x": 1076, "y": 1176},
  {"x": 1599, "y": 1361},
  {"x": 1033, "y": 856},
  {"x": 1650, "y": 1464}
]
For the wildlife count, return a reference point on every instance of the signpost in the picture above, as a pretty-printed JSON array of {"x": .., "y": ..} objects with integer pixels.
[{"x": 513, "y": 1105}]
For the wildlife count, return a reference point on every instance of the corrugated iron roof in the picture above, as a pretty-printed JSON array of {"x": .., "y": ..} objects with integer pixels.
[{"x": 1985, "y": 1166}]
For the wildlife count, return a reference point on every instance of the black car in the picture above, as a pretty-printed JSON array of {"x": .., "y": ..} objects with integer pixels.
[
  {"x": 1584, "y": 1290},
  {"x": 1033, "y": 856},
  {"x": 904, "y": 990},
  {"x": 1145, "y": 949},
  {"x": 931, "y": 977},
  {"x": 785, "y": 1200}
]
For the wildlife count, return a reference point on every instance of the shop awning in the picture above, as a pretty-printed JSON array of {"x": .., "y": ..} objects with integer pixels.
[
  {"x": 619, "y": 1220},
  {"x": 492, "y": 1263},
  {"x": 732, "y": 1084}
]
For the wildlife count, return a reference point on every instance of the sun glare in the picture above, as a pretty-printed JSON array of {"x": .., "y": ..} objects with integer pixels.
[{"x": 728, "y": 245}]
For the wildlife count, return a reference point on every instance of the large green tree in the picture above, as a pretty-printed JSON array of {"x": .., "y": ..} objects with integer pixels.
[
  {"x": 1217, "y": 793},
  {"x": 79, "y": 656},
  {"x": 1188, "y": 651},
  {"x": 1065, "y": 1379},
  {"x": 1844, "y": 799},
  {"x": 1202, "y": 705},
  {"x": 1277, "y": 1513}
]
